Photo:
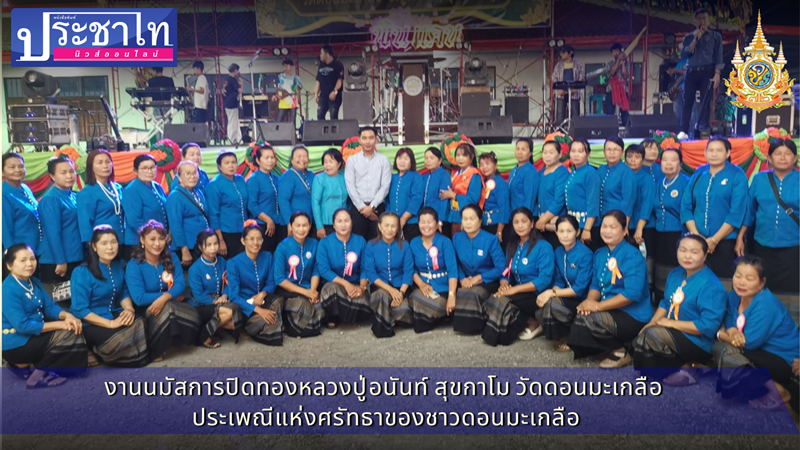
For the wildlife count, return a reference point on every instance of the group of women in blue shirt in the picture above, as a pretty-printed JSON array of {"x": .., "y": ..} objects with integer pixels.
[{"x": 555, "y": 252}]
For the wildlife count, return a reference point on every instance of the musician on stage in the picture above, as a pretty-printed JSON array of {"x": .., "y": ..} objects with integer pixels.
[
  {"x": 568, "y": 69},
  {"x": 232, "y": 87},
  {"x": 678, "y": 86},
  {"x": 289, "y": 86},
  {"x": 160, "y": 81},
  {"x": 200, "y": 91},
  {"x": 617, "y": 88},
  {"x": 328, "y": 90},
  {"x": 704, "y": 49}
]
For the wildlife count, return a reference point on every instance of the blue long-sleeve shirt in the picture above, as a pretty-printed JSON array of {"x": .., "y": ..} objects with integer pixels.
[
  {"x": 446, "y": 259},
  {"x": 617, "y": 185},
  {"x": 479, "y": 255},
  {"x": 497, "y": 207},
  {"x": 21, "y": 218},
  {"x": 306, "y": 267},
  {"x": 227, "y": 203},
  {"x": 432, "y": 183},
  {"x": 668, "y": 203},
  {"x": 331, "y": 254},
  {"x": 96, "y": 208},
  {"x": 145, "y": 281},
  {"x": 582, "y": 198},
  {"x": 294, "y": 193},
  {"x": 644, "y": 194},
  {"x": 405, "y": 195},
  {"x": 552, "y": 196},
  {"x": 246, "y": 278},
  {"x": 715, "y": 200},
  {"x": 523, "y": 183},
  {"x": 102, "y": 297},
  {"x": 633, "y": 285},
  {"x": 24, "y": 312},
  {"x": 262, "y": 196},
  {"x": 536, "y": 266},
  {"x": 703, "y": 303},
  {"x": 574, "y": 269},
  {"x": 143, "y": 202},
  {"x": 767, "y": 325},
  {"x": 327, "y": 195},
  {"x": 207, "y": 281},
  {"x": 58, "y": 211},
  {"x": 472, "y": 197},
  {"x": 774, "y": 228},
  {"x": 187, "y": 212},
  {"x": 389, "y": 263},
  {"x": 202, "y": 181},
  {"x": 656, "y": 174}
]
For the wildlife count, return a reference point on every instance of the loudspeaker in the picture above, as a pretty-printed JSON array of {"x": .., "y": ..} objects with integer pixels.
[
  {"x": 356, "y": 105},
  {"x": 594, "y": 127},
  {"x": 517, "y": 108},
  {"x": 487, "y": 129},
  {"x": 278, "y": 133},
  {"x": 476, "y": 105},
  {"x": 643, "y": 126},
  {"x": 188, "y": 132},
  {"x": 329, "y": 132}
]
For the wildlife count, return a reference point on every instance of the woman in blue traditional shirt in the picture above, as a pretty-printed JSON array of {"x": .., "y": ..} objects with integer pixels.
[
  {"x": 226, "y": 197},
  {"x": 340, "y": 258},
  {"x": 523, "y": 180},
  {"x": 435, "y": 273},
  {"x": 529, "y": 270},
  {"x": 262, "y": 197},
  {"x": 715, "y": 204},
  {"x": 558, "y": 305},
  {"x": 777, "y": 236},
  {"x": 251, "y": 285},
  {"x": 328, "y": 192},
  {"x": 208, "y": 281},
  {"x": 62, "y": 250},
  {"x": 618, "y": 304},
  {"x": 100, "y": 298},
  {"x": 389, "y": 266},
  {"x": 480, "y": 268},
  {"x": 21, "y": 221},
  {"x": 405, "y": 193},
  {"x": 552, "y": 200},
  {"x": 497, "y": 206},
  {"x": 617, "y": 185},
  {"x": 143, "y": 200},
  {"x": 669, "y": 228},
  {"x": 297, "y": 277},
  {"x": 650, "y": 164},
  {"x": 682, "y": 329},
  {"x": 156, "y": 284},
  {"x": 190, "y": 151},
  {"x": 187, "y": 212},
  {"x": 639, "y": 226},
  {"x": 757, "y": 332},
  {"x": 466, "y": 186},
  {"x": 436, "y": 180},
  {"x": 294, "y": 186},
  {"x": 100, "y": 201},
  {"x": 582, "y": 198},
  {"x": 36, "y": 331}
]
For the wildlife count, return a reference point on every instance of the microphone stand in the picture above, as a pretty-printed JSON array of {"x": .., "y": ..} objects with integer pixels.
[{"x": 256, "y": 125}]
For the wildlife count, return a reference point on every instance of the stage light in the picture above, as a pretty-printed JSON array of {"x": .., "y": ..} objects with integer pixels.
[
  {"x": 284, "y": 51},
  {"x": 669, "y": 38},
  {"x": 551, "y": 43},
  {"x": 37, "y": 84},
  {"x": 476, "y": 74},
  {"x": 367, "y": 49},
  {"x": 560, "y": 43},
  {"x": 355, "y": 77},
  {"x": 467, "y": 46},
  {"x": 374, "y": 47},
  {"x": 276, "y": 51},
  {"x": 459, "y": 45}
]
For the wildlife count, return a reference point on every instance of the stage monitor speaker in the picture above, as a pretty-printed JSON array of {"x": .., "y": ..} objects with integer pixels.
[
  {"x": 487, "y": 129},
  {"x": 594, "y": 127},
  {"x": 643, "y": 126},
  {"x": 476, "y": 104},
  {"x": 517, "y": 108},
  {"x": 278, "y": 133},
  {"x": 356, "y": 105},
  {"x": 188, "y": 132},
  {"x": 750, "y": 122},
  {"x": 329, "y": 132}
]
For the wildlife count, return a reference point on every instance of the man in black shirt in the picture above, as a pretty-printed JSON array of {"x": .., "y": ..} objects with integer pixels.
[
  {"x": 328, "y": 89},
  {"x": 232, "y": 89},
  {"x": 160, "y": 81}
]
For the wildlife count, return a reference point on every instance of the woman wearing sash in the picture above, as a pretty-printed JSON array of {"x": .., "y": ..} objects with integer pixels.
[
  {"x": 294, "y": 186},
  {"x": 552, "y": 199},
  {"x": 406, "y": 192},
  {"x": 226, "y": 196},
  {"x": 682, "y": 329},
  {"x": 617, "y": 185},
  {"x": 262, "y": 197},
  {"x": 187, "y": 212},
  {"x": 144, "y": 200},
  {"x": 435, "y": 181},
  {"x": 669, "y": 227},
  {"x": 100, "y": 201},
  {"x": 497, "y": 206},
  {"x": 100, "y": 298},
  {"x": 467, "y": 185},
  {"x": 389, "y": 266},
  {"x": 582, "y": 192},
  {"x": 21, "y": 220},
  {"x": 62, "y": 250}
]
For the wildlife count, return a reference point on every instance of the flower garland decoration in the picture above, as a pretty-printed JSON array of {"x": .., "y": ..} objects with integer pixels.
[
  {"x": 350, "y": 147},
  {"x": 448, "y": 148},
  {"x": 665, "y": 139},
  {"x": 250, "y": 157},
  {"x": 762, "y": 138},
  {"x": 564, "y": 142},
  {"x": 167, "y": 155},
  {"x": 77, "y": 155}
]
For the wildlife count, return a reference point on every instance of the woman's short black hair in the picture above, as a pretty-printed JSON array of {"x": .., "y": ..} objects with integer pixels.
[
  {"x": 693, "y": 237},
  {"x": 570, "y": 220},
  {"x": 751, "y": 260},
  {"x": 635, "y": 148},
  {"x": 476, "y": 209},
  {"x": 429, "y": 211},
  {"x": 673, "y": 149},
  {"x": 586, "y": 147},
  {"x": 140, "y": 159},
  {"x": 55, "y": 161},
  {"x": 10, "y": 155},
  {"x": 185, "y": 147},
  {"x": 775, "y": 143},
  {"x": 408, "y": 152},
  {"x": 335, "y": 154},
  {"x": 615, "y": 139},
  {"x": 435, "y": 151},
  {"x": 11, "y": 253},
  {"x": 223, "y": 154},
  {"x": 261, "y": 148},
  {"x": 297, "y": 214}
]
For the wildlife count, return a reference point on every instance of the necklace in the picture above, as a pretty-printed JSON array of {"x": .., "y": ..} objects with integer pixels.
[
  {"x": 29, "y": 290},
  {"x": 113, "y": 196},
  {"x": 667, "y": 185}
]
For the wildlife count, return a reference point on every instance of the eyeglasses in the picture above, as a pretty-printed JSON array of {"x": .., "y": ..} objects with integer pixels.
[{"x": 148, "y": 169}]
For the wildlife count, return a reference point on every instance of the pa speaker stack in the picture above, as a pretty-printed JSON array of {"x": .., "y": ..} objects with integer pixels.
[
  {"x": 594, "y": 127},
  {"x": 643, "y": 126},
  {"x": 278, "y": 133},
  {"x": 329, "y": 132},
  {"x": 188, "y": 132},
  {"x": 487, "y": 129}
]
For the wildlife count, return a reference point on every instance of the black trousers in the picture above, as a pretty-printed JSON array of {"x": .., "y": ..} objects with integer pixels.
[
  {"x": 233, "y": 241},
  {"x": 325, "y": 105},
  {"x": 271, "y": 242},
  {"x": 48, "y": 273},
  {"x": 696, "y": 80},
  {"x": 562, "y": 111},
  {"x": 288, "y": 115},
  {"x": 368, "y": 229},
  {"x": 200, "y": 115}
]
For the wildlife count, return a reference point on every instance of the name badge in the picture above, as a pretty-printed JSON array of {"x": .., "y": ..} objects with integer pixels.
[
  {"x": 480, "y": 252},
  {"x": 674, "y": 193},
  {"x": 308, "y": 255}
]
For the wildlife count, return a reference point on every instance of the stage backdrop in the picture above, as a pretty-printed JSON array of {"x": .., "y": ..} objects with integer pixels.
[{"x": 742, "y": 155}]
